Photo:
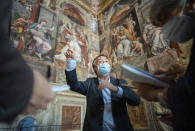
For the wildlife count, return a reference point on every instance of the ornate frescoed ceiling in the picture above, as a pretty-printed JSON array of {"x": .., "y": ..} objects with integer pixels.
[{"x": 95, "y": 6}]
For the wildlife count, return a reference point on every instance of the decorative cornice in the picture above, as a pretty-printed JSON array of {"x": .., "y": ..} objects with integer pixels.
[{"x": 86, "y": 7}]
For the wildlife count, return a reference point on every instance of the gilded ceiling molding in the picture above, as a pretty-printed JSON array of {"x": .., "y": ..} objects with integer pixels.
[{"x": 90, "y": 9}]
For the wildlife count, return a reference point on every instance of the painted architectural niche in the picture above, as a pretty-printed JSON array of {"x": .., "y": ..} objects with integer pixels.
[{"x": 71, "y": 118}]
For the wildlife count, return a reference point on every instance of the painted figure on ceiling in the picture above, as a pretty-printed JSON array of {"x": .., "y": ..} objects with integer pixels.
[
  {"x": 84, "y": 39},
  {"x": 147, "y": 35},
  {"x": 125, "y": 41},
  {"x": 137, "y": 47},
  {"x": 17, "y": 29},
  {"x": 113, "y": 57},
  {"x": 123, "y": 48},
  {"x": 124, "y": 44},
  {"x": 115, "y": 37},
  {"x": 131, "y": 25},
  {"x": 19, "y": 25},
  {"x": 148, "y": 27},
  {"x": 75, "y": 38},
  {"x": 40, "y": 35},
  {"x": 154, "y": 38},
  {"x": 159, "y": 42},
  {"x": 75, "y": 44}
]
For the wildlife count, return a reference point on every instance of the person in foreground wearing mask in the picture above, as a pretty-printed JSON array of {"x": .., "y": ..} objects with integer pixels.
[
  {"x": 180, "y": 96},
  {"x": 106, "y": 97},
  {"x": 22, "y": 90}
]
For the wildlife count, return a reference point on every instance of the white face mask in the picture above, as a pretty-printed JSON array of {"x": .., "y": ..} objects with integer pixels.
[{"x": 104, "y": 69}]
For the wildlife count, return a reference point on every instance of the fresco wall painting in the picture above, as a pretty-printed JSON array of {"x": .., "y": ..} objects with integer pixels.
[{"x": 44, "y": 30}]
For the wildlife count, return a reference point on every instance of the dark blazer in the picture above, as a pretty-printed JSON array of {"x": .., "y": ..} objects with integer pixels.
[
  {"x": 181, "y": 96},
  {"x": 181, "y": 99},
  {"x": 16, "y": 78},
  {"x": 95, "y": 105}
]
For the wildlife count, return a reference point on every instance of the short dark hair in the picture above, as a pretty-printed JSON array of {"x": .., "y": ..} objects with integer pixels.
[
  {"x": 94, "y": 60},
  {"x": 161, "y": 9}
]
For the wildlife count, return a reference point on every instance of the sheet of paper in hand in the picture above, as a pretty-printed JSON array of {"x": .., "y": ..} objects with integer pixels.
[
  {"x": 139, "y": 75},
  {"x": 60, "y": 88}
]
